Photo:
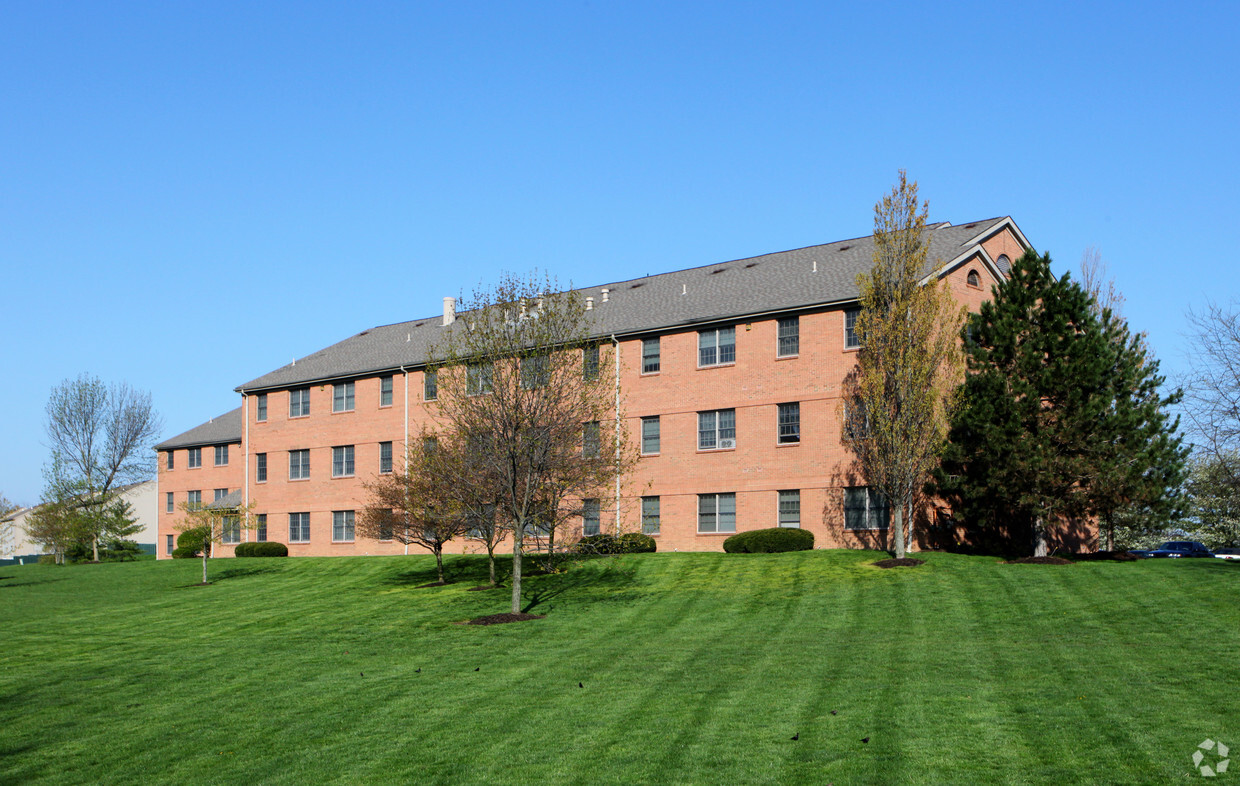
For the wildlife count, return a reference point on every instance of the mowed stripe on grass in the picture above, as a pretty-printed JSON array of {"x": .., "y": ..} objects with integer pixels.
[{"x": 695, "y": 668}]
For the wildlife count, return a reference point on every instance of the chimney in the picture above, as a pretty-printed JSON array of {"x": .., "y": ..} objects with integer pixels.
[
  {"x": 449, "y": 310},
  {"x": 589, "y": 304},
  {"x": 605, "y": 291}
]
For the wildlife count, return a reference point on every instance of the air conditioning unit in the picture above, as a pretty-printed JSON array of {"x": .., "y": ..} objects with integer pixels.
[{"x": 727, "y": 443}]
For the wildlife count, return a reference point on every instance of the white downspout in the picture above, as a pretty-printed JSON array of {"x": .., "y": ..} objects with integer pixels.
[
  {"x": 616, "y": 348},
  {"x": 405, "y": 371},
  {"x": 245, "y": 487}
]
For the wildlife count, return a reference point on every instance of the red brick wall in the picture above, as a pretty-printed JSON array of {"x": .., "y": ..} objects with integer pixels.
[{"x": 182, "y": 479}]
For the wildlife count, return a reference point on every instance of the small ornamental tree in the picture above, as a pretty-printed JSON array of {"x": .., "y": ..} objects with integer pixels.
[
  {"x": 218, "y": 522},
  {"x": 417, "y": 506}
]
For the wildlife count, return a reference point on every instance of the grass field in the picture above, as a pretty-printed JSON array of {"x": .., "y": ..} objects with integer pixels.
[{"x": 696, "y": 668}]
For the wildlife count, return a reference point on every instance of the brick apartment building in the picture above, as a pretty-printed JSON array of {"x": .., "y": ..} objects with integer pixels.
[{"x": 731, "y": 375}]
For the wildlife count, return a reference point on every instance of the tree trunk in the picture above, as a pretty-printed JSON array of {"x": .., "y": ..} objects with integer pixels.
[
  {"x": 439, "y": 561},
  {"x": 94, "y": 547},
  {"x": 1039, "y": 538},
  {"x": 908, "y": 524},
  {"x": 204, "y": 563},
  {"x": 1110, "y": 532},
  {"x": 518, "y": 533},
  {"x": 491, "y": 561},
  {"x": 898, "y": 535}
]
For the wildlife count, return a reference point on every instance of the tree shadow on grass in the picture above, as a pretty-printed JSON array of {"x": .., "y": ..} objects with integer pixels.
[
  {"x": 602, "y": 573},
  {"x": 241, "y": 572},
  {"x": 27, "y": 582}
]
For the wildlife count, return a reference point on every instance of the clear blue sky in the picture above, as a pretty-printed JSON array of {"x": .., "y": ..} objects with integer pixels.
[{"x": 192, "y": 195}]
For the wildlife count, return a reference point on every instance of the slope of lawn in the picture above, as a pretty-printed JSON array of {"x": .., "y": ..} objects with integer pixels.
[{"x": 695, "y": 668}]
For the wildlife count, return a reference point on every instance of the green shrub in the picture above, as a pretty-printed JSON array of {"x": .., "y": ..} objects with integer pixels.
[
  {"x": 261, "y": 549},
  {"x": 47, "y": 559},
  {"x": 270, "y": 548},
  {"x": 769, "y": 541},
  {"x": 183, "y": 552},
  {"x": 597, "y": 544},
  {"x": 636, "y": 543},
  {"x": 193, "y": 539}
]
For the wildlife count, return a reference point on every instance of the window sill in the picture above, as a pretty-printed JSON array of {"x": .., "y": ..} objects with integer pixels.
[
  {"x": 650, "y": 455},
  {"x": 297, "y": 417},
  {"x": 711, "y": 534},
  {"x": 716, "y": 450},
  {"x": 343, "y": 411},
  {"x": 342, "y": 477},
  {"x": 298, "y": 480},
  {"x": 716, "y": 365},
  {"x": 342, "y": 542},
  {"x": 796, "y": 444},
  {"x": 650, "y": 373},
  {"x": 787, "y": 357}
]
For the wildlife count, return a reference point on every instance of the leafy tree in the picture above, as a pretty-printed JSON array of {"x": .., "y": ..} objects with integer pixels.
[
  {"x": 1215, "y": 502},
  {"x": 214, "y": 523},
  {"x": 517, "y": 394},
  {"x": 1061, "y": 417},
  {"x": 72, "y": 525},
  {"x": 7, "y": 506},
  {"x": 900, "y": 397},
  {"x": 101, "y": 438}
]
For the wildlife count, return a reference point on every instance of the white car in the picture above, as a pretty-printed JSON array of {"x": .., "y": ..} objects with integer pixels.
[{"x": 1227, "y": 553}]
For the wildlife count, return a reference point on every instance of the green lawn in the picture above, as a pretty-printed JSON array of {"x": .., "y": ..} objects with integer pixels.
[{"x": 697, "y": 668}]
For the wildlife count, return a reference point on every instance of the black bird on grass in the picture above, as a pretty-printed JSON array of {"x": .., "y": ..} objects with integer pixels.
[
  {"x": 579, "y": 685},
  {"x": 418, "y": 670},
  {"x": 865, "y": 739},
  {"x": 832, "y": 712},
  {"x": 796, "y": 736},
  {"x": 478, "y": 669}
]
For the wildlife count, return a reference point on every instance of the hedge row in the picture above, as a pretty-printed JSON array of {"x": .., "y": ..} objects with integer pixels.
[
  {"x": 769, "y": 541},
  {"x": 628, "y": 543},
  {"x": 267, "y": 548}
]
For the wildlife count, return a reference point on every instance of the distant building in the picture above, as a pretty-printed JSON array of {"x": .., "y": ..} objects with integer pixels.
[{"x": 16, "y": 545}]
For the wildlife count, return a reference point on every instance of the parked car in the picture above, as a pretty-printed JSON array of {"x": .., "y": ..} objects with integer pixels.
[
  {"x": 1143, "y": 553},
  {"x": 1181, "y": 548},
  {"x": 1227, "y": 553}
]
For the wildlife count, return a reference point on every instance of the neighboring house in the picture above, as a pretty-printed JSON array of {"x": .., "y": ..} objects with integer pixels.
[
  {"x": 16, "y": 545},
  {"x": 731, "y": 375}
]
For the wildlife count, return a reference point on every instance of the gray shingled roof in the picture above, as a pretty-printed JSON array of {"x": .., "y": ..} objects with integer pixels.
[
  {"x": 783, "y": 281},
  {"x": 227, "y": 502},
  {"x": 216, "y": 431}
]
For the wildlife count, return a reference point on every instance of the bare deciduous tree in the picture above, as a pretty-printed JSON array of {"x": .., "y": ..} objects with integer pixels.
[
  {"x": 218, "y": 522},
  {"x": 1212, "y": 387},
  {"x": 519, "y": 390},
  {"x": 899, "y": 400},
  {"x": 101, "y": 438}
]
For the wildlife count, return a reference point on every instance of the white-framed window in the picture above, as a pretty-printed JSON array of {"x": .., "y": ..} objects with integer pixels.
[
  {"x": 851, "y": 339},
  {"x": 298, "y": 464},
  {"x": 716, "y": 347},
  {"x": 169, "y": 505},
  {"x": 342, "y": 526},
  {"x": 650, "y": 355},
  {"x": 385, "y": 458},
  {"x": 220, "y": 494},
  {"x": 590, "y": 439},
  {"x": 789, "y": 339},
  {"x": 716, "y": 513},
  {"x": 193, "y": 500},
  {"x": 260, "y": 467},
  {"x": 790, "y": 508},
  {"x": 479, "y": 379},
  {"x": 650, "y": 515},
  {"x": 589, "y": 363},
  {"x": 169, "y": 543},
  {"x": 299, "y": 403},
  {"x": 385, "y": 391},
  {"x": 431, "y": 444},
  {"x": 430, "y": 385},
  {"x": 342, "y": 397},
  {"x": 231, "y": 530},
  {"x": 260, "y": 530},
  {"x": 590, "y": 517},
  {"x": 790, "y": 423},
  {"x": 342, "y": 461},
  {"x": 194, "y": 458},
  {"x": 221, "y": 455},
  {"x": 974, "y": 280},
  {"x": 260, "y": 408},
  {"x": 535, "y": 371},
  {"x": 299, "y": 528},
  {"x": 650, "y": 435},
  {"x": 717, "y": 429},
  {"x": 170, "y": 459},
  {"x": 864, "y": 508}
]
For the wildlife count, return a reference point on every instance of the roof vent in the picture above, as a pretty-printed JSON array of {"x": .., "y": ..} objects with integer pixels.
[
  {"x": 751, "y": 264},
  {"x": 605, "y": 294},
  {"x": 449, "y": 310},
  {"x": 843, "y": 248},
  {"x": 638, "y": 284},
  {"x": 717, "y": 270},
  {"x": 589, "y": 304}
]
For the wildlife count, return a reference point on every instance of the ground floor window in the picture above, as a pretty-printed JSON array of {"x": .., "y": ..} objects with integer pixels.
[
  {"x": 231, "y": 530},
  {"x": 299, "y": 528},
  {"x": 342, "y": 526},
  {"x": 650, "y": 515},
  {"x": 261, "y": 529},
  {"x": 864, "y": 508},
  {"x": 171, "y": 544},
  {"x": 590, "y": 516},
  {"x": 716, "y": 513},
  {"x": 790, "y": 508}
]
